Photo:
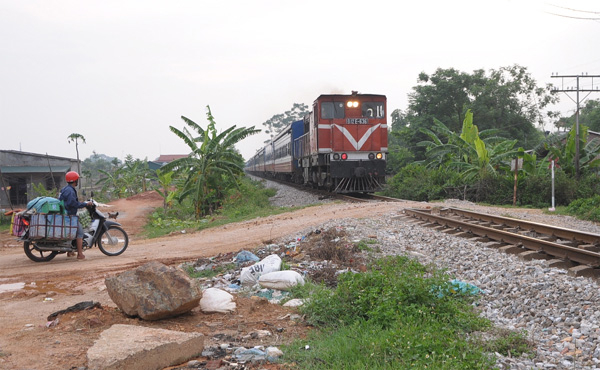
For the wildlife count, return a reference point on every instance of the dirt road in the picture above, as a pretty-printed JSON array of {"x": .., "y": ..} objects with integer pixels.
[{"x": 25, "y": 341}]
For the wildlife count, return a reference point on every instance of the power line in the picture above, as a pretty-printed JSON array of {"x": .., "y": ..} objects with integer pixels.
[
  {"x": 577, "y": 90},
  {"x": 575, "y": 10},
  {"x": 573, "y": 17}
]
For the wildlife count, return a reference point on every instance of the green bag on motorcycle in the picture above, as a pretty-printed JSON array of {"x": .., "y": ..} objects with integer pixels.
[{"x": 46, "y": 205}]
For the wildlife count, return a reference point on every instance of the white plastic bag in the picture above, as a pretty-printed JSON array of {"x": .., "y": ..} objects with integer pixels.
[
  {"x": 281, "y": 280},
  {"x": 296, "y": 302},
  {"x": 250, "y": 274},
  {"x": 216, "y": 300}
]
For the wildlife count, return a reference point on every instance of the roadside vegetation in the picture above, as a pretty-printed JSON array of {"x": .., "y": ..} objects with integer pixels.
[
  {"x": 4, "y": 222},
  {"x": 250, "y": 199},
  {"x": 462, "y": 133}
]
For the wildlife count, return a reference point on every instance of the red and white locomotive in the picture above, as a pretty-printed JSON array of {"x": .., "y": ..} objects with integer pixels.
[{"x": 341, "y": 146}]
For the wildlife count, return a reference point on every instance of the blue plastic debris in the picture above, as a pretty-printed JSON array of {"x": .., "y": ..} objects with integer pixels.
[
  {"x": 252, "y": 354},
  {"x": 245, "y": 256},
  {"x": 458, "y": 287}
]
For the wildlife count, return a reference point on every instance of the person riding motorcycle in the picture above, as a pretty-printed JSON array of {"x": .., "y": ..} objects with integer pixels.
[{"x": 68, "y": 195}]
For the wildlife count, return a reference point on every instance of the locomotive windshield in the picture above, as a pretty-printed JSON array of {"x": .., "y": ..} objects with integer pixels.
[
  {"x": 331, "y": 110},
  {"x": 373, "y": 109},
  {"x": 337, "y": 109}
]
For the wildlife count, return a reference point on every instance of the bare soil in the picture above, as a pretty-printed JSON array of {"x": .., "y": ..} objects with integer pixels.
[{"x": 26, "y": 342}]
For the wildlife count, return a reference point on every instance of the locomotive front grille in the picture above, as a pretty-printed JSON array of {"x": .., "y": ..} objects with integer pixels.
[{"x": 358, "y": 185}]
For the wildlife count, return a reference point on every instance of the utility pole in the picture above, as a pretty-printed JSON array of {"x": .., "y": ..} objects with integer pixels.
[{"x": 577, "y": 90}]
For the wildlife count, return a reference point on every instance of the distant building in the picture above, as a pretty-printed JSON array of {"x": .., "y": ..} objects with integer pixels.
[
  {"x": 164, "y": 159},
  {"x": 20, "y": 170}
]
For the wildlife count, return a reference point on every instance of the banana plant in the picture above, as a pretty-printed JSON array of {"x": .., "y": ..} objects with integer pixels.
[
  {"x": 565, "y": 151},
  {"x": 213, "y": 164},
  {"x": 468, "y": 153}
]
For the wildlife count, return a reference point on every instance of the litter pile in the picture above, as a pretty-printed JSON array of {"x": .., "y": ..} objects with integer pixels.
[{"x": 270, "y": 272}]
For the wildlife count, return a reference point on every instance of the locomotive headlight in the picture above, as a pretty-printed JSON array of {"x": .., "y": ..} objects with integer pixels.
[
  {"x": 371, "y": 156},
  {"x": 379, "y": 155},
  {"x": 352, "y": 104},
  {"x": 344, "y": 156},
  {"x": 336, "y": 156}
]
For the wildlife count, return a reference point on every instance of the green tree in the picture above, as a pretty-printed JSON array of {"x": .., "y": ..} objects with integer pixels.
[
  {"x": 165, "y": 180},
  {"x": 74, "y": 137},
  {"x": 280, "y": 121},
  {"x": 92, "y": 165},
  {"x": 507, "y": 99},
  {"x": 213, "y": 164},
  {"x": 400, "y": 154},
  {"x": 112, "y": 183},
  {"x": 589, "y": 115},
  {"x": 563, "y": 149},
  {"x": 135, "y": 173}
]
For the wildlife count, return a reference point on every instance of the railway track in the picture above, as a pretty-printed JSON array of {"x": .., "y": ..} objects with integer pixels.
[
  {"x": 357, "y": 198},
  {"x": 365, "y": 198},
  {"x": 577, "y": 251}
]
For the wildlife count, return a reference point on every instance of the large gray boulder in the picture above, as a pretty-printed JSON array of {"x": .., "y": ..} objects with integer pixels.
[
  {"x": 153, "y": 291},
  {"x": 130, "y": 347}
]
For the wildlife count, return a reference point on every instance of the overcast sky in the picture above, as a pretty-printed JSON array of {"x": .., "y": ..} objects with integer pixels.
[{"x": 121, "y": 72}]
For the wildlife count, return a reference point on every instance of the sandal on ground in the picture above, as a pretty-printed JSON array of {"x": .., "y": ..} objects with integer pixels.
[{"x": 70, "y": 254}]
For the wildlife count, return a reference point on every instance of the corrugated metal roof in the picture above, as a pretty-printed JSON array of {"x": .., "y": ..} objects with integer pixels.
[
  {"x": 33, "y": 169},
  {"x": 36, "y": 154}
]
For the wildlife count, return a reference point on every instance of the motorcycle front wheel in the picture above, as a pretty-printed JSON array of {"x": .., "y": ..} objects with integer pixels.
[
  {"x": 37, "y": 255},
  {"x": 113, "y": 241}
]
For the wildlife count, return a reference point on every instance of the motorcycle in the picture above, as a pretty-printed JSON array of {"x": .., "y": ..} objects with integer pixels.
[{"x": 108, "y": 235}]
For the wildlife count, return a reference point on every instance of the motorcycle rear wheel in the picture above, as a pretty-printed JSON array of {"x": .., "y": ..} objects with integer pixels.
[
  {"x": 37, "y": 255},
  {"x": 113, "y": 241}
]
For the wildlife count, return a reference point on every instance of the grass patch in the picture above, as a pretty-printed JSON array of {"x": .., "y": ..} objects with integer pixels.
[
  {"x": 365, "y": 245},
  {"x": 508, "y": 343},
  {"x": 399, "y": 314},
  {"x": 209, "y": 272},
  {"x": 5, "y": 222}
]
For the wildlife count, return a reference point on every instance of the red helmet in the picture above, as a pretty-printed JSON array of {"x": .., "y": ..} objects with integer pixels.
[{"x": 72, "y": 176}]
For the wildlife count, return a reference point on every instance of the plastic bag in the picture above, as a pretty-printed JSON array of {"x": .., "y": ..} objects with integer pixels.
[
  {"x": 282, "y": 280},
  {"x": 250, "y": 275},
  {"x": 217, "y": 300},
  {"x": 245, "y": 256},
  {"x": 84, "y": 217}
]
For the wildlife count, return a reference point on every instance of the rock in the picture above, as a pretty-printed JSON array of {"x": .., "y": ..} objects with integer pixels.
[
  {"x": 136, "y": 347},
  {"x": 153, "y": 291}
]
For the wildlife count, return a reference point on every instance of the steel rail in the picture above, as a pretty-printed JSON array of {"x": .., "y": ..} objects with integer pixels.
[
  {"x": 559, "y": 232},
  {"x": 553, "y": 249}
]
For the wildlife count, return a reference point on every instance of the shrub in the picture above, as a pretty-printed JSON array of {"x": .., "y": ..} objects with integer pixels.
[
  {"x": 494, "y": 189},
  {"x": 587, "y": 209},
  {"x": 588, "y": 186},
  {"x": 416, "y": 182},
  {"x": 393, "y": 288}
]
